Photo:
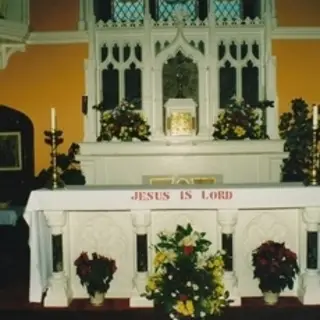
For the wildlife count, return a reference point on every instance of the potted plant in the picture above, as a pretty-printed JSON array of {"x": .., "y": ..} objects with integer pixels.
[
  {"x": 295, "y": 127},
  {"x": 123, "y": 123},
  {"x": 69, "y": 169},
  {"x": 276, "y": 267},
  {"x": 95, "y": 274},
  {"x": 187, "y": 281},
  {"x": 239, "y": 121}
]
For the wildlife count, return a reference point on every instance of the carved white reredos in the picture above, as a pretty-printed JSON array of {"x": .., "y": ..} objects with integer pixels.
[{"x": 179, "y": 44}]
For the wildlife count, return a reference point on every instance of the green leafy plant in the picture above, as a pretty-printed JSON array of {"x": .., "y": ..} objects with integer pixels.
[
  {"x": 275, "y": 266},
  {"x": 96, "y": 273},
  {"x": 123, "y": 123},
  {"x": 239, "y": 121},
  {"x": 187, "y": 281},
  {"x": 69, "y": 169},
  {"x": 295, "y": 127}
]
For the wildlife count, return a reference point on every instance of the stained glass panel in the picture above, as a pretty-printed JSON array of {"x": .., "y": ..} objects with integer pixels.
[
  {"x": 227, "y": 9},
  {"x": 166, "y": 10},
  {"x": 128, "y": 10}
]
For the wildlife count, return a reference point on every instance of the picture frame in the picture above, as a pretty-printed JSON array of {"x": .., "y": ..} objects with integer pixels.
[{"x": 10, "y": 151}]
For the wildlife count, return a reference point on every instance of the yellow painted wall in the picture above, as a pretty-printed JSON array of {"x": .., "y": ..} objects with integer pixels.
[
  {"x": 297, "y": 60},
  {"x": 45, "y": 77},
  {"x": 301, "y": 13},
  {"x": 298, "y": 68},
  {"x": 48, "y": 76}
]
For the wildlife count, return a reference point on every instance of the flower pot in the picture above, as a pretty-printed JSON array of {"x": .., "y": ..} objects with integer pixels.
[
  {"x": 97, "y": 299},
  {"x": 270, "y": 298}
]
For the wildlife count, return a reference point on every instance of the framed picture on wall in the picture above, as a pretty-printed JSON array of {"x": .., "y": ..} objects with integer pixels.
[{"x": 10, "y": 151}]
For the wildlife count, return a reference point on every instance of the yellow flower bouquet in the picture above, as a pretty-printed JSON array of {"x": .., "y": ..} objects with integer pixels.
[
  {"x": 187, "y": 281},
  {"x": 239, "y": 121},
  {"x": 123, "y": 123}
]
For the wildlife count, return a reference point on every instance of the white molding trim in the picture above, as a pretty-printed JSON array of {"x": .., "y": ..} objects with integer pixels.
[
  {"x": 79, "y": 36},
  {"x": 296, "y": 33},
  {"x": 59, "y": 37}
]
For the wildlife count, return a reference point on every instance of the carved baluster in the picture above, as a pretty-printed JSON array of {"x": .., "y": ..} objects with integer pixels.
[
  {"x": 58, "y": 292},
  {"x": 227, "y": 220},
  {"x": 141, "y": 221},
  {"x": 309, "y": 286}
]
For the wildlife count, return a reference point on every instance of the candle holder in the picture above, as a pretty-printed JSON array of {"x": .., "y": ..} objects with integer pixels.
[
  {"x": 313, "y": 173},
  {"x": 54, "y": 139}
]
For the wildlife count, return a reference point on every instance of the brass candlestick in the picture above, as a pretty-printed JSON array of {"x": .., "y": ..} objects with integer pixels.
[
  {"x": 54, "y": 139},
  {"x": 313, "y": 175}
]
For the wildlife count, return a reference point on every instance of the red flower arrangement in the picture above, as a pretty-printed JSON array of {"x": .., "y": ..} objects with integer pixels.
[
  {"x": 96, "y": 273},
  {"x": 275, "y": 266}
]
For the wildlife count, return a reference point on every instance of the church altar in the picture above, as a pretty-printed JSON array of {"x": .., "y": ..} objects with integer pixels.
[
  {"x": 109, "y": 220},
  {"x": 133, "y": 163}
]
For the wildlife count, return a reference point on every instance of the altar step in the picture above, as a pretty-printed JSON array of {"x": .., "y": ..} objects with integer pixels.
[{"x": 252, "y": 309}]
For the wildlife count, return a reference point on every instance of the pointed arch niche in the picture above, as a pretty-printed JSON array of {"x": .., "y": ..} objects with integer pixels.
[{"x": 180, "y": 45}]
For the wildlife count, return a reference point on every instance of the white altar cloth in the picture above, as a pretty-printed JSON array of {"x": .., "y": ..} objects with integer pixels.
[{"x": 137, "y": 198}]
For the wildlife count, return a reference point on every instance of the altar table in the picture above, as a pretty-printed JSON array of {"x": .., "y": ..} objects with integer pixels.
[{"x": 110, "y": 219}]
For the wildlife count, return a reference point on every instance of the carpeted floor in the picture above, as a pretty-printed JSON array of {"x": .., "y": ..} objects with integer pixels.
[{"x": 14, "y": 271}]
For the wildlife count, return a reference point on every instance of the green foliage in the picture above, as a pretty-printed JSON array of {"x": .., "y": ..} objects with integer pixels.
[
  {"x": 68, "y": 167},
  {"x": 123, "y": 123},
  {"x": 96, "y": 273},
  {"x": 239, "y": 121},
  {"x": 275, "y": 266},
  {"x": 295, "y": 128},
  {"x": 187, "y": 280}
]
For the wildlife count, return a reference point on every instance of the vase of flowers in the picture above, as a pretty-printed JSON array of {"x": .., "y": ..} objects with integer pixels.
[
  {"x": 123, "y": 123},
  {"x": 95, "y": 274},
  {"x": 187, "y": 281},
  {"x": 240, "y": 121},
  {"x": 276, "y": 267}
]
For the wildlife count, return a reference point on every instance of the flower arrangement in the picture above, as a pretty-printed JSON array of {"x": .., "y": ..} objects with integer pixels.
[
  {"x": 124, "y": 123},
  {"x": 275, "y": 266},
  {"x": 239, "y": 121},
  {"x": 96, "y": 273},
  {"x": 187, "y": 281}
]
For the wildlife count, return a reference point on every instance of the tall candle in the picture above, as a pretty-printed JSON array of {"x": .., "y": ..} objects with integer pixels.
[
  {"x": 53, "y": 119},
  {"x": 315, "y": 116}
]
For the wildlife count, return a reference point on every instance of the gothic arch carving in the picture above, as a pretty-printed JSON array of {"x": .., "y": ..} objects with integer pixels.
[{"x": 180, "y": 44}]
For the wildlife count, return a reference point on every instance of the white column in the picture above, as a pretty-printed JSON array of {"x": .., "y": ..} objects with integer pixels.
[
  {"x": 227, "y": 220},
  {"x": 212, "y": 104},
  {"x": 81, "y": 21},
  {"x": 270, "y": 76},
  {"x": 147, "y": 58},
  {"x": 90, "y": 120},
  {"x": 141, "y": 221},
  {"x": 157, "y": 115},
  {"x": 58, "y": 293},
  {"x": 271, "y": 94},
  {"x": 205, "y": 122},
  {"x": 309, "y": 286},
  {"x": 92, "y": 85},
  {"x": 25, "y": 5}
]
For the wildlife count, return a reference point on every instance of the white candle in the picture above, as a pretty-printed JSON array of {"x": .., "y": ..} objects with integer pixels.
[
  {"x": 315, "y": 116},
  {"x": 53, "y": 119}
]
